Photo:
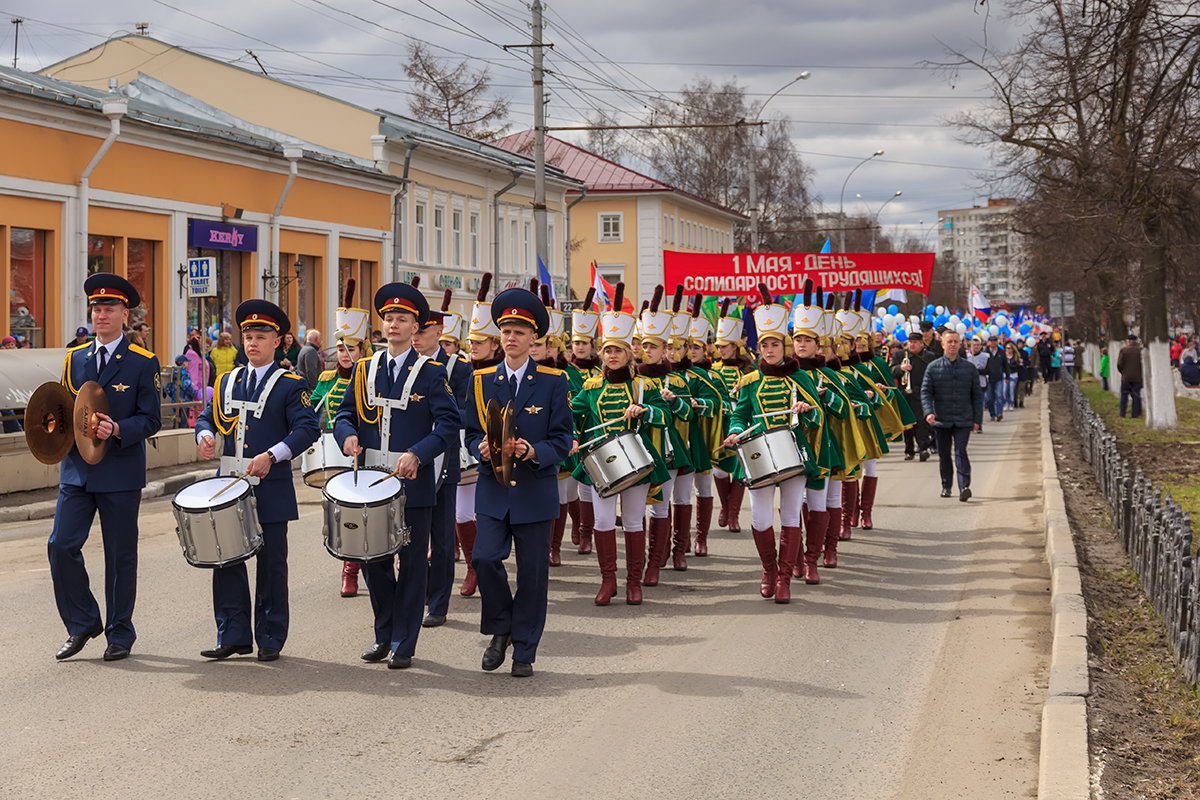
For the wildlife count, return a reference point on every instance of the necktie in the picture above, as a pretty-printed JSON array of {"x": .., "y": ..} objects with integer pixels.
[
  {"x": 512, "y": 385},
  {"x": 103, "y": 361},
  {"x": 391, "y": 375},
  {"x": 251, "y": 384}
]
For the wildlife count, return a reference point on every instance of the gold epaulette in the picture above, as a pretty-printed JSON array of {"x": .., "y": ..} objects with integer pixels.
[
  {"x": 487, "y": 370},
  {"x": 544, "y": 370},
  {"x": 293, "y": 376},
  {"x": 327, "y": 375},
  {"x": 141, "y": 351},
  {"x": 594, "y": 382},
  {"x": 749, "y": 378}
]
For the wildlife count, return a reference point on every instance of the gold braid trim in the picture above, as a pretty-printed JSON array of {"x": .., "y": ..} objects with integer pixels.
[
  {"x": 224, "y": 422},
  {"x": 360, "y": 394}
]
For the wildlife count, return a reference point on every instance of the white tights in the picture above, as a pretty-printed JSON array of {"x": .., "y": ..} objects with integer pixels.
[
  {"x": 682, "y": 494},
  {"x": 659, "y": 510},
  {"x": 464, "y": 503},
  {"x": 869, "y": 467},
  {"x": 791, "y": 497},
  {"x": 568, "y": 490},
  {"x": 633, "y": 506},
  {"x": 833, "y": 494},
  {"x": 816, "y": 498},
  {"x": 703, "y": 481}
]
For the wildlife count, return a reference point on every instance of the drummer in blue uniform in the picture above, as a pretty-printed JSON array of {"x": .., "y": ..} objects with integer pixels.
[
  {"x": 278, "y": 403},
  {"x": 406, "y": 393},
  {"x": 523, "y": 511},
  {"x": 427, "y": 342},
  {"x": 130, "y": 378}
]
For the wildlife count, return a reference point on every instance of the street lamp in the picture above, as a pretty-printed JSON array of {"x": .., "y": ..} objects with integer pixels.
[
  {"x": 803, "y": 76},
  {"x": 842, "y": 198},
  {"x": 272, "y": 282},
  {"x": 875, "y": 217}
]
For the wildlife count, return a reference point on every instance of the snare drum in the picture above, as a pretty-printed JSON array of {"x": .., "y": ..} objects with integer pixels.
[
  {"x": 323, "y": 460},
  {"x": 217, "y": 532},
  {"x": 617, "y": 462},
  {"x": 771, "y": 457},
  {"x": 363, "y": 522}
]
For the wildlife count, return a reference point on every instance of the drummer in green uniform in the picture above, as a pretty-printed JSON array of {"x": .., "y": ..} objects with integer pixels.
[{"x": 352, "y": 331}]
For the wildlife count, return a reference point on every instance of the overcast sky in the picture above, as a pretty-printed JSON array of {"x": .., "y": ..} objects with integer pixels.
[{"x": 868, "y": 90}]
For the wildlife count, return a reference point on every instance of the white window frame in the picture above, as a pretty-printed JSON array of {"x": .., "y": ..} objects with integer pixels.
[
  {"x": 473, "y": 237},
  {"x": 420, "y": 223},
  {"x": 609, "y": 216},
  {"x": 514, "y": 245},
  {"x": 456, "y": 237},
  {"x": 439, "y": 236},
  {"x": 527, "y": 244}
]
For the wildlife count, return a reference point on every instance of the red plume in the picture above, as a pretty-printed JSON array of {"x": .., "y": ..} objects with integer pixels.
[
  {"x": 546, "y": 296},
  {"x": 645, "y": 305},
  {"x": 589, "y": 298},
  {"x": 446, "y": 300},
  {"x": 348, "y": 297},
  {"x": 619, "y": 296},
  {"x": 658, "y": 296},
  {"x": 485, "y": 283},
  {"x": 830, "y": 301},
  {"x": 678, "y": 304},
  {"x": 725, "y": 307},
  {"x": 416, "y": 281},
  {"x": 764, "y": 293}
]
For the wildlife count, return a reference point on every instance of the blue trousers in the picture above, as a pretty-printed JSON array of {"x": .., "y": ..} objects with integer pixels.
[
  {"x": 523, "y": 615},
  {"x": 441, "y": 552},
  {"x": 398, "y": 595},
  {"x": 952, "y": 443},
  {"x": 231, "y": 594},
  {"x": 73, "y": 518},
  {"x": 1131, "y": 390},
  {"x": 993, "y": 399}
]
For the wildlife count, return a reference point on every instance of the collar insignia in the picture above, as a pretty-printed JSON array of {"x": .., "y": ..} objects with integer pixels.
[
  {"x": 120, "y": 387},
  {"x": 533, "y": 409}
]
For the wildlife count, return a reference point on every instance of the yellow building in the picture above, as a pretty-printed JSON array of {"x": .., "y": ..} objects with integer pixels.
[{"x": 626, "y": 219}]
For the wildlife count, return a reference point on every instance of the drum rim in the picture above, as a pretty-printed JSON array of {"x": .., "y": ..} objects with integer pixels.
[
  {"x": 235, "y": 499},
  {"x": 374, "y": 504},
  {"x": 227, "y": 563}
]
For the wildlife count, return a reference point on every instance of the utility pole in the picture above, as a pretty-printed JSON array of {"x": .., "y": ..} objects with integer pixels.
[
  {"x": 541, "y": 230},
  {"x": 16, "y": 21}
]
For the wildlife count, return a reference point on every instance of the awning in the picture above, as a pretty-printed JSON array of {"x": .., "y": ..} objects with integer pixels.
[{"x": 23, "y": 371}]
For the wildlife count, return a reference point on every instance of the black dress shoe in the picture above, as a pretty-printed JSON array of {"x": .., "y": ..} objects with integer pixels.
[
  {"x": 75, "y": 643},
  {"x": 924, "y": 455},
  {"x": 376, "y": 652},
  {"x": 945, "y": 491},
  {"x": 398, "y": 661},
  {"x": 433, "y": 621},
  {"x": 521, "y": 669},
  {"x": 908, "y": 456},
  {"x": 494, "y": 655},
  {"x": 224, "y": 651},
  {"x": 965, "y": 495},
  {"x": 268, "y": 654},
  {"x": 115, "y": 652}
]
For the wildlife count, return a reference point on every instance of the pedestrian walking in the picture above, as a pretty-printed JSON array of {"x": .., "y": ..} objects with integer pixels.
[
  {"x": 309, "y": 362},
  {"x": 908, "y": 368},
  {"x": 1129, "y": 366},
  {"x": 953, "y": 404}
]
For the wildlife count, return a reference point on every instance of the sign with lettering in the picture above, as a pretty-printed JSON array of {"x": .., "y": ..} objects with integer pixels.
[
  {"x": 202, "y": 277},
  {"x": 210, "y": 235},
  {"x": 449, "y": 281},
  {"x": 731, "y": 274}
]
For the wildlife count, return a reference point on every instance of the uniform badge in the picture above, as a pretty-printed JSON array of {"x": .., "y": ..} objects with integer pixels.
[
  {"x": 416, "y": 398},
  {"x": 533, "y": 409},
  {"x": 158, "y": 382},
  {"x": 306, "y": 399},
  {"x": 120, "y": 387}
]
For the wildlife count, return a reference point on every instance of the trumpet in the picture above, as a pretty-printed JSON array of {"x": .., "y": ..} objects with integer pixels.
[{"x": 906, "y": 381}]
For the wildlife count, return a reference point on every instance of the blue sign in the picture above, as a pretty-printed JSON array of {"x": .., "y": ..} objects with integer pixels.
[
  {"x": 202, "y": 277},
  {"x": 222, "y": 236}
]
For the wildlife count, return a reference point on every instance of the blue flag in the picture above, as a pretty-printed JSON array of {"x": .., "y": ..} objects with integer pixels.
[{"x": 544, "y": 277}]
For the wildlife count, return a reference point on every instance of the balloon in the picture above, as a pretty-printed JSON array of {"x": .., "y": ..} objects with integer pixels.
[
  {"x": 889, "y": 323},
  {"x": 893, "y": 309},
  {"x": 1031, "y": 341},
  {"x": 1000, "y": 320},
  {"x": 878, "y": 324},
  {"x": 940, "y": 310},
  {"x": 993, "y": 330},
  {"x": 1024, "y": 329},
  {"x": 960, "y": 327},
  {"x": 901, "y": 335},
  {"x": 952, "y": 320},
  {"x": 880, "y": 312},
  {"x": 940, "y": 319},
  {"x": 1057, "y": 336}
]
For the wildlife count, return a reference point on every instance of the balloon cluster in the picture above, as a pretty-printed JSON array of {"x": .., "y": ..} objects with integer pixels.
[{"x": 892, "y": 323}]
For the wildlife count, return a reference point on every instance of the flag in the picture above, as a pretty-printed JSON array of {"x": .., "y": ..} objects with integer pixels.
[
  {"x": 896, "y": 295},
  {"x": 980, "y": 307},
  {"x": 544, "y": 277},
  {"x": 825, "y": 248},
  {"x": 605, "y": 291},
  {"x": 710, "y": 308},
  {"x": 869, "y": 300}
]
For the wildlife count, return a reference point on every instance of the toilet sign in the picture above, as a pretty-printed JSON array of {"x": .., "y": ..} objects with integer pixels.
[{"x": 202, "y": 277}]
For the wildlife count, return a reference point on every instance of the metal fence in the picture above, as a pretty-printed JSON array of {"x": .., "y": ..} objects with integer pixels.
[{"x": 1156, "y": 532}]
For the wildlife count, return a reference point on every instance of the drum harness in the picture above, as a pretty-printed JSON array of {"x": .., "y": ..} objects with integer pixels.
[
  {"x": 383, "y": 457},
  {"x": 236, "y": 465}
]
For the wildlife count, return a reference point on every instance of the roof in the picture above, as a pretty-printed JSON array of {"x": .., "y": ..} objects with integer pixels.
[{"x": 598, "y": 173}]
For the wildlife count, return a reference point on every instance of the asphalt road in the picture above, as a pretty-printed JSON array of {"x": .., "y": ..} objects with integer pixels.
[{"x": 915, "y": 670}]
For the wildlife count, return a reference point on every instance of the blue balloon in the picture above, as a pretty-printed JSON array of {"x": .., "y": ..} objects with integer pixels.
[
  {"x": 1024, "y": 329},
  {"x": 929, "y": 308},
  {"x": 893, "y": 309},
  {"x": 941, "y": 319},
  {"x": 900, "y": 334}
]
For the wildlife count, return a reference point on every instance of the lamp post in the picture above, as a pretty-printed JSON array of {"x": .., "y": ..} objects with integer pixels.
[
  {"x": 803, "y": 76},
  {"x": 875, "y": 217},
  {"x": 842, "y": 198}
]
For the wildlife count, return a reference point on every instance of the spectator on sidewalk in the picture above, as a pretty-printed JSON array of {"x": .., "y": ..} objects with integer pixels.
[
  {"x": 1045, "y": 351},
  {"x": 1176, "y": 351},
  {"x": 81, "y": 337},
  {"x": 309, "y": 363},
  {"x": 1189, "y": 372},
  {"x": 1129, "y": 365},
  {"x": 1068, "y": 356},
  {"x": 953, "y": 403},
  {"x": 1104, "y": 366},
  {"x": 288, "y": 351},
  {"x": 224, "y": 355},
  {"x": 11, "y": 420}
]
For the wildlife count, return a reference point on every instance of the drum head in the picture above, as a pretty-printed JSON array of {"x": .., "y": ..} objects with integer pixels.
[
  {"x": 341, "y": 487},
  {"x": 198, "y": 496},
  {"x": 319, "y": 477}
]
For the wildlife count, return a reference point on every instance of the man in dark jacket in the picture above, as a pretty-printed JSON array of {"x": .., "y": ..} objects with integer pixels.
[
  {"x": 1129, "y": 365},
  {"x": 995, "y": 371},
  {"x": 953, "y": 404},
  {"x": 911, "y": 362}
]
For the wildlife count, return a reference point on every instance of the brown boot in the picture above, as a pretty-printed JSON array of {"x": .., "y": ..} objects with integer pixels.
[
  {"x": 789, "y": 547},
  {"x": 587, "y": 518},
  {"x": 635, "y": 560},
  {"x": 736, "y": 492},
  {"x": 349, "y": 579},
  {"x": 606, "y": 554},
  {"x": 682, "y": 535},
  {"x": 660, "y": 543},
  {"x": 573, "y": 513},
  {"x": 849, "y": 509},
  {"x": 831, "y": 537},
  {"x": 814, "y": 542},
  {"x": 868, "y": 501},
  {"x": 703, "y": 523},
  {"x": 722, "y": 485},
  {"x": 556, "y": 536},
  {"x": 466, "y": 539},
  {"x": 764, "y": 541}
]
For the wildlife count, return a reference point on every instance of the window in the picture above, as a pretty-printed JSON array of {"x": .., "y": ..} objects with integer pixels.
[
  {"x": 527, "y": 261},
  {"x": 664, "y": 232},
  {"x": 27, "y": 288},
  {"x": 551, "y": 248},
  {"x": 611, "y": 229},
  {"x": 139, "y": 268},
  {"x": 513, "y": 247},
  {"x": 439, "y": 236},
  {"x": 456, "y": 241},
  {"x": 402, "y": 243},
  {"x": 473, "y": 224},
  {"x": 419, "y": 234}
]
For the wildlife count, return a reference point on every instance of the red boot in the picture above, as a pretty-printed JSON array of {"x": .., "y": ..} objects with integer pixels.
[
  {"x": 850, "y": 504},
  {"x": 660, "y": 543},
  {"x": 466, "y": 539},
  {"x": 849, "y": 508},
  {"x": 573, "y": 513},
  {"x": 868, "y": 500},
  {"x": 831, "y": 537},
  {"x": 765, "y": 542},
  {"x": 556, "y": 536},
  {"x": 722, "y": 485},
  {"x": 587, "y": 518},
  {"x": 789, "y": 548},
  {"x": 682, "y": 535},
  {"x": 606, "y": 554},
  {"x": 814, "y": 542},
  {"x": 635, "y": 560},
  {"x": 704, "y": 507},
  {"x": 736, "y": 492},
  {"x": 349, "y": 579}
]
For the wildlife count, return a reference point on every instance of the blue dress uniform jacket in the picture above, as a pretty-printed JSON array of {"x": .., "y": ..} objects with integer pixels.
[
  {"x": 112, "y": 487},
  {"x": 288, "y": 418}
]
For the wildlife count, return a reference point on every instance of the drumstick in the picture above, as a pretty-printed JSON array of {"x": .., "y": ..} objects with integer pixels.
[
  {"x": 742, "y": 435},
  {"x": 770, "y": 414},
  {"x": 221, "y": 491},
  {"x": 356, "y": 471},
  {"x": 394, "y": 474},
  {"x": 603, "y": 425}
]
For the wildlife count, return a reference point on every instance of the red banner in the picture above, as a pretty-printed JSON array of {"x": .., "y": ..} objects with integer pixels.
[{"x": 730, "y": 274}]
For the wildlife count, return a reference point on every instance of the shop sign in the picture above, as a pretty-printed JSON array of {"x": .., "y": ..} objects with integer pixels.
[
  {"x": 211, "y": 235},
  {"x": 202, "y": 277},
  {"x": 449, "y": 282}
]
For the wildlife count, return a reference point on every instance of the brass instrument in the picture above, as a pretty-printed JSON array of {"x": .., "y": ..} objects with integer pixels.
[
  {"x": 906, "y": 381},
  {"x": 55, "y": 421}
]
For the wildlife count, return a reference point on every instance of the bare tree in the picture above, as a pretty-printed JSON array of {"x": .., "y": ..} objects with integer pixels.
[
  {"x": 454, "y": 96},
  {"x": 604, "y": 140}
]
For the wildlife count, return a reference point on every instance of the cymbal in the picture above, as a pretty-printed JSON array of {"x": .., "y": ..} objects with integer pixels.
[
  {"x": 495, "y": 438},
  {"x": 48, "y": 423},
  {"x": 90, "y": 402},
  {"x": 509, "y": 437}
]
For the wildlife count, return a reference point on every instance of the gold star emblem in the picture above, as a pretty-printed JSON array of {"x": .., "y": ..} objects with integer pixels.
[
  {"x": 533, "y": 409},
  {"x": 120, "y": 387},
  {"x": 416, "y": 398}
]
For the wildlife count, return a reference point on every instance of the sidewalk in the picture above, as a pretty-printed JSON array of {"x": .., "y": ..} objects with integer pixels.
[{"x": 40, "y": 503}]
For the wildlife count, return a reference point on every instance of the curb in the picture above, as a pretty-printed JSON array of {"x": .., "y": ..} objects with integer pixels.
[
  {"x": 1063, "y": 767},
  {"x": 45, "y": 509}
]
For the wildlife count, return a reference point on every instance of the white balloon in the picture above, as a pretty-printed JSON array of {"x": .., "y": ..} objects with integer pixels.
[
  {"x": 1000, "y": 320},
  {"x": 1031, "y": 341},
  {"x": 953, "y": 321},
  {"x": 960, "y": 327},
  {"x": 889, "y": 323},
  {"x": 994, "y": 330},
  {"x": 940, "y": 310},
  {"x": 881, "y": 312}
]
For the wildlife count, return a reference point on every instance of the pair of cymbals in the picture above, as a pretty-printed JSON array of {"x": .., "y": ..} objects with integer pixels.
[
  {"x": 54, "y": 421},
  {"x": 500, "y": 436}
]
